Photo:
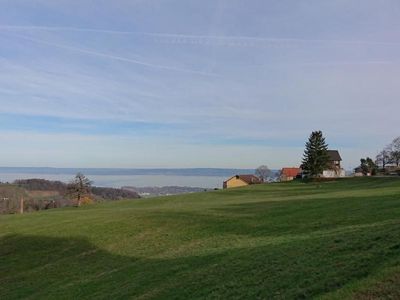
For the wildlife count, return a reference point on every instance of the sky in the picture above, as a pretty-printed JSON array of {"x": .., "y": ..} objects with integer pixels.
[{"x": 189, "y": 83}]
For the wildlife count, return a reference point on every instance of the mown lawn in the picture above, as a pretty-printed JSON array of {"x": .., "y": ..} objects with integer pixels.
[{"x": 336, "y": 240}]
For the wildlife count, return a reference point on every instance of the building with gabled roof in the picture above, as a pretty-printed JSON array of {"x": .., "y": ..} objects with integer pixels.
[
  {"x": 334, "y": 157},
  {"x": 288, "y": 174},
  {"x": 334, "y": 165},
  {"x": 241, "y": 180}
]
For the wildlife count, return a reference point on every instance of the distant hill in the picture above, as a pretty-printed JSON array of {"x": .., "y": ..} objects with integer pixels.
[
  {"x": 113, "y": 171},
  {"x": 42, "y": 194}
]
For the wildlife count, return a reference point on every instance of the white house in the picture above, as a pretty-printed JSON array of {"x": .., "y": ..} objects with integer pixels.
[{"x": 334, "y": 170}]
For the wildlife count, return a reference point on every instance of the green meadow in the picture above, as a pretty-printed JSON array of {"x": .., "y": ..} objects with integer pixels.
[{"x": 333, "y": 240}]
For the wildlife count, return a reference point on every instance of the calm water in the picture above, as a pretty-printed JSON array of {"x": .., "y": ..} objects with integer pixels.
[{"x": 127, "y": 180}]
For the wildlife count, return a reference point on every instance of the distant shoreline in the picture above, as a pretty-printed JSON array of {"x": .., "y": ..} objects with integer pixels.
[
  {"x": 128, "y": 171},
  {"x": 117, "y": 181}
]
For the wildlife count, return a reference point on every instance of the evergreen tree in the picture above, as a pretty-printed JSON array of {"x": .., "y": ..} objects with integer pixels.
[
  {"x": 315, "y": 159},
  {"x": 368, "y": 166}
]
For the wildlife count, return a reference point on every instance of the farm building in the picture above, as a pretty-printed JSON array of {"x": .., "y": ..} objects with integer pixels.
[
  {"x": 241, "y": 180},
  {"x": 334, "y": 165},
  {"x": 358, "y": 172},
  {"x": 288, "y": 174}
]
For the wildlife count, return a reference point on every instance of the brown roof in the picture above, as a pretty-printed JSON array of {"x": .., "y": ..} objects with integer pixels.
[
  {"x": 334, "y": 155},
  {"x": 291, "y": 172},
  {"x": 249, "y": 179}
]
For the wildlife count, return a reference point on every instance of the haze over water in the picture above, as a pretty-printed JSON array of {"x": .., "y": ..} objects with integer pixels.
[{"x": 204, "y": 178}]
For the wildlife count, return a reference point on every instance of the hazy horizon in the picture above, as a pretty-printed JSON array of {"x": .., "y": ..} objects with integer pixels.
[
  {"x": 184, "y": 84},
  {"x": 117, "y": 178}
]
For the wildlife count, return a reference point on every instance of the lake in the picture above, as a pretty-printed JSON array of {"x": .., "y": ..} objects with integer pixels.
[{"x": 116, "y": 178}]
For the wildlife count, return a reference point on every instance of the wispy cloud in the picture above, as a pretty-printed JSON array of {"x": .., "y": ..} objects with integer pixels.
[
  {"x": 177, "y": 38},
  {"x": 185, "y": 82},
  {"x": 113, "y": 57}
]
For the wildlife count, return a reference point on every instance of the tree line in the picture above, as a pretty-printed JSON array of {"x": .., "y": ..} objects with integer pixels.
[
  {"x": 388, "y": 156},
  {"x": 40, "y": 194}
]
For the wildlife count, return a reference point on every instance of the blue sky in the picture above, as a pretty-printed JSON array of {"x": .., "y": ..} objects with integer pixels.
[{"x": 211, "y": 83}]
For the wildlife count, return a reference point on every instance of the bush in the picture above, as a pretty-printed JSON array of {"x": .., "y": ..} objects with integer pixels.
[{"x": 87, "y": 200}]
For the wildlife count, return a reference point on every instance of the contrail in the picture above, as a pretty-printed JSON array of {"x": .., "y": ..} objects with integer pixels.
[
  {"x": 202, "y": 39},
  {"x": 133, "y": 61},
  {"x": 51, "y": 28},
  {"x": 114, "y": 57},
  {"x": 350, "y": 63}
]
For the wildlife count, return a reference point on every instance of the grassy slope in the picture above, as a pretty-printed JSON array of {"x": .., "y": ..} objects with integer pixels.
[{"x": 279, "y": 241}]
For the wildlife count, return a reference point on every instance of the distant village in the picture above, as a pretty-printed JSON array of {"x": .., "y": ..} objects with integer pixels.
[
  {"x": 386, "y": 163},
  {"x": 334, "y": 170}
]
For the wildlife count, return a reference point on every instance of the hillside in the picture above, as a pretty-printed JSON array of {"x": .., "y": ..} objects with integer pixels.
[
  {"x": 42, "y": 194},
  {"x": 339, "y": 240}
]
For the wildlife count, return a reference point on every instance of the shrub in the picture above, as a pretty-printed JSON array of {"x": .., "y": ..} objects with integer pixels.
[{"x": 87, "y": 200}]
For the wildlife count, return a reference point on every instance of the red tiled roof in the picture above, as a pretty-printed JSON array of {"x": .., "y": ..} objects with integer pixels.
[{"x": 291, "y": 172}]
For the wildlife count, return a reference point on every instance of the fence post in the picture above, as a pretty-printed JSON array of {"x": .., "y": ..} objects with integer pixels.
[{"x": 21, "y": 205}]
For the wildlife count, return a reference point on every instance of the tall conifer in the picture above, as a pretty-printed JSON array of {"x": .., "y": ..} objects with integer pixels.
[{"x": 315, "y": 159}]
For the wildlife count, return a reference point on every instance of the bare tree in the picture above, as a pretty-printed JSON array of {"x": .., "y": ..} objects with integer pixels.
[
  {"x": 263, "y": 172},
  {"x": 383, "y": 158},
  {"x": 395, "y": 151},
  {"x": 79, "y": 188}
]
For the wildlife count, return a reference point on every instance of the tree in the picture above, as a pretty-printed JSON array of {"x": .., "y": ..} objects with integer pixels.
[
  {"x": 395, "y": 151},
  {"x": 395, "y": 158},
  {"x": 368, "y": 166},
  {"x": 383, "y": 158},
  {"x": 79, "y": 188},
  {"x": 315, "y": 159},
  {"x": 263, "y": 172}
]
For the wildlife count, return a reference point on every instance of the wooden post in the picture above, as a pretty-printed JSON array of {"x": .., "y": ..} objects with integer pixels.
[{"x": 21, "y": 205}]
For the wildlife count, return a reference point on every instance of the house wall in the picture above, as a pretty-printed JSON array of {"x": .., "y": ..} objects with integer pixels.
[
  {"x": 333, "y": 174},
  {"x": 360, "y": 174},
  {"x": 234, "y": 182},
  {"x": 286, "y": 178},
  {"x": 334, "y": 164}
]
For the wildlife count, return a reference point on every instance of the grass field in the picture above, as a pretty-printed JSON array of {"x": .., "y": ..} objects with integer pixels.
[{"x": 339, "y": 240}]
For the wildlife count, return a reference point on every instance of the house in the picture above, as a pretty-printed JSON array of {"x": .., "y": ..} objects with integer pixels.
[
  {"x": 288, "y": 174},
  {"x": 334, "y": 169},
  {"x": 241, "y": 180},
  {"x": 358, "y": 172}
]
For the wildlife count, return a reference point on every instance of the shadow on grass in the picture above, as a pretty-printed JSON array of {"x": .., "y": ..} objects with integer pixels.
[{"x": 41, "y": 267}]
